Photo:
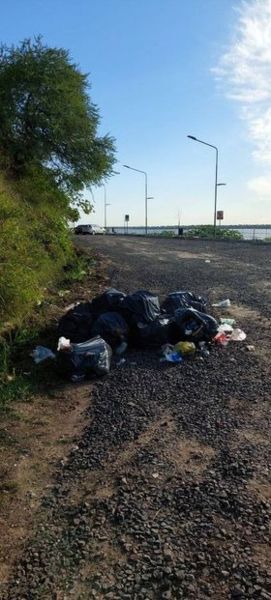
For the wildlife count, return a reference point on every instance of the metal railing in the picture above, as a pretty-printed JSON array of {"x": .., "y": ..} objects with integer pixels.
[{"x": 248, "y": 232}]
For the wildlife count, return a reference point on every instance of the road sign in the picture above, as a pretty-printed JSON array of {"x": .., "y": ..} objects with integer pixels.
[
  {"x": 220, "y": 215},
  {"x": 127, "y": 218}
]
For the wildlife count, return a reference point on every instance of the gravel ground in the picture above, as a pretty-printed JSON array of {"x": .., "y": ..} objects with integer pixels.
[{"x": 167, "y": 494}]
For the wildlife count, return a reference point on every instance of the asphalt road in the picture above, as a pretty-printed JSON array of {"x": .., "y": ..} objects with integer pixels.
[
  {"x": 240, "y": 271},
  {"x": 167, "y": 494}
]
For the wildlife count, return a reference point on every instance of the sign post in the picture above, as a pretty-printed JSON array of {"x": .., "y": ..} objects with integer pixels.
[
  {"x": 126, "y": 223},
  {"x": 220, "y": 216}
]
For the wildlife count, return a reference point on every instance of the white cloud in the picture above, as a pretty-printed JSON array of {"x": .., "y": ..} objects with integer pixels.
[
  {"x": 245, "y": 72},
  {"x": 260, "y": 185}
]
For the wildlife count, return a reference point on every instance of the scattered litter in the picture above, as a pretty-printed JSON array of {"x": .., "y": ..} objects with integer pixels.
[
  {"x": 111, "y": 300},
  {"x": 172, "y": 357},
  {"x": 40, "y": 353},
  {"x": 76, "y": 323},
  {"x": 141, "y": 306},
  {"x": 185, "y": 348},
  {"x": 207, "y": 260},
  {"x": 227, "y": 321},
  {"x": 250, "y": 348},
  {"x": 122, "y": 361},
  {"x": 238, "y": 335},
  {"x": 203, "y": 349},
  {"x": 195, "y": 326},
  {"x": 112, "y": 327},
  {"x": 10, "y": 377},
  {"x": 222, "y": 338},
  {"x": 87, "y": 359},
  {"x": 70, "y": 307},
  {"x": 63, "y": 293},
  {"x": 155, "y": 475},
  {"x": 89, "y": 332},
  {"x": 122, "y": 348},
  {"x": 153, "y": 334},
  {"x": 223, "y": 304},
  {"x": 63, "y": 344},
  {"x": 225, "y": 327},
  {"x": 182, "y": 299}
]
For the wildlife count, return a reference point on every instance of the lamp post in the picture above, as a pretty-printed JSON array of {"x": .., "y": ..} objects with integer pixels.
[
  {"x": 146, "y": 194},
  {"x": 106, "y": 204},
  {"x": 192, "y": 137}
]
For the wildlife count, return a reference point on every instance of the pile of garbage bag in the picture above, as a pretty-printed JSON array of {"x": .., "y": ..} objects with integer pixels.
[{"x": 91, "y": 332}]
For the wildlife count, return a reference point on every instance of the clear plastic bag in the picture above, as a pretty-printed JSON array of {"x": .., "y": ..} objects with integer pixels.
[{"x": 85, "y": 360}]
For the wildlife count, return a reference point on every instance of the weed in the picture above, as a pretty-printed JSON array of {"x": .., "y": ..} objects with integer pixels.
[
  {"x": 18, "y": 389},
  {"x": 10, "y": 487},
  {"x": 6, "y": 439}
]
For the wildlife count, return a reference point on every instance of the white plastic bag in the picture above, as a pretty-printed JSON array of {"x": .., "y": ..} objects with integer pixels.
[
  {"x": 63, "y": 344},
  {"x": 223, "y": 303},
  {"x": 238, "y": 335}
]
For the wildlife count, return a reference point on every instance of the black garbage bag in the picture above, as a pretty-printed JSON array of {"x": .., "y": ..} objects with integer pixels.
[
  {"x": 156, "y": 333},
  {"x": 177, "y": 300},
  {"x": 141, "y": 306},
  {"x": 76, "y": 324},
  {"x": 112, "y": 327},
  {"x": 195, "y": 326},
  {"x": 111, "y": 300},
  {"x": 85, "y": 360}
]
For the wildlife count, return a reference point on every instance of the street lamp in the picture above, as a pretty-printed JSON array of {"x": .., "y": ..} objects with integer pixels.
[
  {"x": 192, "y": 137},
  {"x": 146, "y": 194},
  {"x": 106, "y": 204}
]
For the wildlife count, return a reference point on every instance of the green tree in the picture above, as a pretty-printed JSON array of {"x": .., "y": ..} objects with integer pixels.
[{"x": 47, "y": 119}]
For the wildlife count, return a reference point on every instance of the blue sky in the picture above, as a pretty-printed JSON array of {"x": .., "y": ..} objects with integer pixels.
[{"x": 159, "y": 70}]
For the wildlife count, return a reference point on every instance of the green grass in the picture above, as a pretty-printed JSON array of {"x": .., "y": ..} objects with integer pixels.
[
  {"x": 167, "y": 234},
  {"x": 19, "y": 390},
  {"x": 20, "y": 378}
]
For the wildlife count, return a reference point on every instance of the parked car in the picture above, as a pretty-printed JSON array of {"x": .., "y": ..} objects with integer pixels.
[{"x": 89, "y": 230}]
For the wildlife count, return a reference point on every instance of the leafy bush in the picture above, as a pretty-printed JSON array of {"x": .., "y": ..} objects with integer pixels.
[
  {"x": 167, "y": 234},
  {"x": 207, "y": 231}
]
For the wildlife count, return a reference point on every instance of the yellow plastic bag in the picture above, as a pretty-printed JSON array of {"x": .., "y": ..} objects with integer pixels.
[{"x": 185, "y": 348}]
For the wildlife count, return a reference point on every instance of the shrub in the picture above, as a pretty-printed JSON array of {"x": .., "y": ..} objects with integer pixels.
[
  {"x": 207, "y": 231},
  {"x": 34, "y": 246}
]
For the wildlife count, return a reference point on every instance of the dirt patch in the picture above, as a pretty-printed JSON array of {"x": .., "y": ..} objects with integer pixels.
[
  {"x": 240, "y": 311},
  {"x": 253, "y": 436},
  {"x": 262, "y": 556},
  {"x": 189, "y": 455},
  {"x": 172, "y": 455},
  {"x": 262, "y": 490},
  {"x": 43, "y": 434}
]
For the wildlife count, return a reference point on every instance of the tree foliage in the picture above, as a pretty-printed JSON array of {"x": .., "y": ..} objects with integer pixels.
[
  {"x": 50, "y": 150},
  {"x": 47, "y": 118}
]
